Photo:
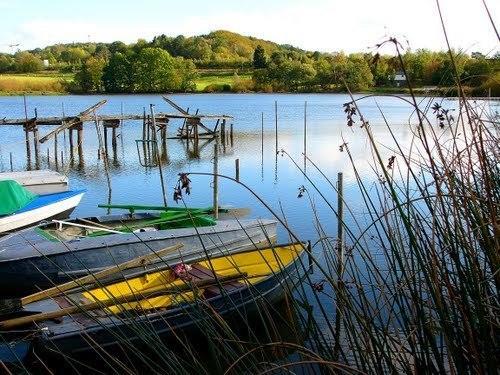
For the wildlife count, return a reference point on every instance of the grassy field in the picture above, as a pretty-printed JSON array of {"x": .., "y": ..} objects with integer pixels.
[
  {"x": 217, "y": 80},
  {"x": 40, "y": 83},
  {"x": 54, "y": 82}
]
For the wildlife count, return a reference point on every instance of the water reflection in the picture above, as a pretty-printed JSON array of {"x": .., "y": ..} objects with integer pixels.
[{"x": 272, "y": 176}]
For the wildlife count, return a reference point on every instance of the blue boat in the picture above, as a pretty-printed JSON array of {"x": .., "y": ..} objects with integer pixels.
[{"x": 20, "y": 208}]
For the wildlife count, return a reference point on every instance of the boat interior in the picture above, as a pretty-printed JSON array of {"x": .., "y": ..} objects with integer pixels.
[{"x": 66, "y": 230}]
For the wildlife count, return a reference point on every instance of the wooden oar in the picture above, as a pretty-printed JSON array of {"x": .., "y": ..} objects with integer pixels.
[
  {"x": 16, "y": 322},
  {"x": 71, "y": 224},
  {"x": 59, "y": 289}
]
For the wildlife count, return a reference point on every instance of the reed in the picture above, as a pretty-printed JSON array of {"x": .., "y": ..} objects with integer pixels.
[{"x": 419, "y": 289}]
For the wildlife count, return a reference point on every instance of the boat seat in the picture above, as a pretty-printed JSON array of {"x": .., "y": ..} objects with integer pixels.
[{"x": 201, "y": 273}]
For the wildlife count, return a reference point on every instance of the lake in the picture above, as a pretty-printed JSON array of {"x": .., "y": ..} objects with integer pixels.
[{"x": 276, "y": 180}]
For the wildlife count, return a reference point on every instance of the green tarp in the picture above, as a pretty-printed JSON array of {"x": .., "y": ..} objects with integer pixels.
[{"x": 13, "y": 197}]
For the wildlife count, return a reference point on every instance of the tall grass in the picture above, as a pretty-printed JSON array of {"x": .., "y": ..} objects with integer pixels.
[
  {"x": 418, "y": 287},
  {"x": 31, "y": 84}
]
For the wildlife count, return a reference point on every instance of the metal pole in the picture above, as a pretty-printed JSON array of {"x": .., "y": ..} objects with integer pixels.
[
  {"x": 153, "y": 122},
  {"x": 216, "y": 180}
]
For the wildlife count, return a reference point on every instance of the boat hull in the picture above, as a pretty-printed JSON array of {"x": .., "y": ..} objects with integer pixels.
[
  {"x": 106, "y": 334},
  {"x": 29, "y": 262},
  {"x": 59, "y": 208}
]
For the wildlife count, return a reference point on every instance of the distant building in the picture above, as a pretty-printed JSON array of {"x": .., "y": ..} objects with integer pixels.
[
  {"x": 399, "y": 79},
  {"x": 46, "y": 63}
]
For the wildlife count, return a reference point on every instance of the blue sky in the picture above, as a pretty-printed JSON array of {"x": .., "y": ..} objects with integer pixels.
[{"x": 325, "y": 25}]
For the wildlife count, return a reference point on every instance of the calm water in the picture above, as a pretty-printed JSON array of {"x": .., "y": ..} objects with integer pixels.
[
  {"x": 277, "y": 183},
  {"x": 275, "y": 179}
]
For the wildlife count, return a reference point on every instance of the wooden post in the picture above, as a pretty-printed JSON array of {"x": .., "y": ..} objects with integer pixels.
[
  {"x": 340, "y": 262},
  {"x": 216, "y": 180},
  {"x": 11, "y": 163},
  {"x": 237, "y": 167},
  {"x": 340, "y": 224},
  {"x": 151, "y": 107},
  {"x": 223, "y": 131},
  {"x": 276, "y": 123}
]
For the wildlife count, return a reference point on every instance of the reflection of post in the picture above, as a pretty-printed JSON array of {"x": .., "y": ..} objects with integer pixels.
[
  {"x": 262, "y": 146},
  {"x": 79, "y": 141},
  {"x": 27, "y": 140},
  {"x": 237, "y": 169},
  {"x": 216, "y": 180},
  {"x": 56, "y": 153},
  {"x": 305, "y": 135},
  {"x": 71, "y": 146},
  {"x": 11, "y": 162},
  {"x": 105, "y": 126},
  {"x": 113, "y": 142},
  {"x": 36, "y": 144},
  {"x": 102, "y": 152},
  {"x": 231, "y": 135}
]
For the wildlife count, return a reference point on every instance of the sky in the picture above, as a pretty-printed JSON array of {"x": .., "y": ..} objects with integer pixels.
[{"x": 323, "y": 25}]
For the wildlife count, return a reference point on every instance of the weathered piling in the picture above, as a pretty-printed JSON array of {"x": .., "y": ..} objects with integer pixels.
[
  {"x": 237, "y": 169},
  {"x": 340, "y": 263}
]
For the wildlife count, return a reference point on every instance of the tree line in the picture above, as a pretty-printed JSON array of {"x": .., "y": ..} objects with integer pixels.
[{"x": 171, "y": 64}]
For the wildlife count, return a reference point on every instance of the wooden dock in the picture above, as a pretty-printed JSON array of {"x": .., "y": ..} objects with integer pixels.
[{"x": 193, "y": 128}]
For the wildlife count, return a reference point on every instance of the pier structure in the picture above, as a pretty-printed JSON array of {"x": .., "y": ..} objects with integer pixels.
[{"x": 155, "y": 129}]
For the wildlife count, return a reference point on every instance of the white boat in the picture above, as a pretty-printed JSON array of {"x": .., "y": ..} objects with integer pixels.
[
  {"x": 43, "y": 181},
  {"x": 20, "y": 208}
]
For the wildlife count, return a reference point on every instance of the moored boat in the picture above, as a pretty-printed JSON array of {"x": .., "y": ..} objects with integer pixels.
[
  {"x": 163, "y": 301},
  {"x": 20, "y": 208},
  {"x": 56, "y": 251},
  {"x": 43, "y": 181}
]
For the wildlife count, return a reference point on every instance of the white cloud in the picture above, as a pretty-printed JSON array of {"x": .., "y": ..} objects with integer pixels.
[{"x": 324, "y": 25}]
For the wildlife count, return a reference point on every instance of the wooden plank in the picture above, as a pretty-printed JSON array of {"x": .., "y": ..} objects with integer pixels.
[
  {"x": 58, "y": 121},
  {"x": 81, "y": 117}
]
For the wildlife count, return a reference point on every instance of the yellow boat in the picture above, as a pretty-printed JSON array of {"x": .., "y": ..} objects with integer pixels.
[{"x": 164, "y": 300}]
